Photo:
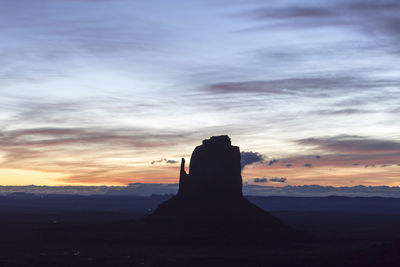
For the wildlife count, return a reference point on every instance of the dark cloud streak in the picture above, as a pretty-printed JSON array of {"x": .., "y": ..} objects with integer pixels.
[
  {"x": 278, "y": 180},
  {"x": 248, "y": 158},
  {"x": 376, "y": 17},
  {"x": 311, "y": 87},
  {"x": 352, "y": 144},
  {"x": 260, "y": 180},
  {"x": 37, "y": 137},
  {"x": 272, "y": 162},
  {"x": 164, "y": 160}
]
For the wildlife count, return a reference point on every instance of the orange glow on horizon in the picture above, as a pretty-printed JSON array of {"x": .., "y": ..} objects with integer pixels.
[
  {"x": 29, "y": 177},
  {"x": 327, "y": 175},
  {"x": 321, "y": 175}
]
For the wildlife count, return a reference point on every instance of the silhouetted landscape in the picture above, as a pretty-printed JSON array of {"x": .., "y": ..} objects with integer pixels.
[
  {"x": 199, "y": 133},
  {"x": 348, "y": 229},
  {"x": 208, "y": 222}
]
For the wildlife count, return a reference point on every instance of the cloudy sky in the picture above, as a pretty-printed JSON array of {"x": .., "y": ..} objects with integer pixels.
[{"x": 117, "y": 91}]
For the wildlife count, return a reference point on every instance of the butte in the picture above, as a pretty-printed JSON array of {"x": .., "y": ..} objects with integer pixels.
[{"x": 210, "y": 207}]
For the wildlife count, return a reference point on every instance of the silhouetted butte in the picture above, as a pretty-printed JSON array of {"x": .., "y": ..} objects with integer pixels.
[{"x": 210, "y": 204}]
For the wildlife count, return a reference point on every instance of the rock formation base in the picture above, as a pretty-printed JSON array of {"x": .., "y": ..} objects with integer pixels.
[{"x": 210, "y": 207}]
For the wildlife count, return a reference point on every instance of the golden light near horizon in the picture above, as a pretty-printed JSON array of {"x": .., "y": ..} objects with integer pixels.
[{"x": 20, "y": 177}]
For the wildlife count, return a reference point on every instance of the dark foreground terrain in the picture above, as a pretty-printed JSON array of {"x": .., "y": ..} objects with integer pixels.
[{"x": 103, "y": 231}]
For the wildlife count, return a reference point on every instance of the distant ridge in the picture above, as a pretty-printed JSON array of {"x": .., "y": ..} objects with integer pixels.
[{"x": 140, "y": 189}]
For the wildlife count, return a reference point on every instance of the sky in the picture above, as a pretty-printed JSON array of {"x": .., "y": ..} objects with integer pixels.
[{"x": 112, "y": 92}]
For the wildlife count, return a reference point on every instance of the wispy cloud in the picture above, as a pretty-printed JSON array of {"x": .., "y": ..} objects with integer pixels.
[
  {"x": 344, "y": 150},
  {"x": 87, "y": 155},
  {"x": 260, "y": 180},
  {"x": 42, "y": 137},
  {"x": 164, "y": 160},
  {"x": 97, "y": 93},
  {"x": 319, "y": 87},
  {"x": 272, "y": 162},
  {"x": 278, "y": 180},
  {"x": 248, "y": 158},
  {"x": 371, "y": 17},
  {"x": 352, "y": 144},
  {"x": 342, "y": 112}
]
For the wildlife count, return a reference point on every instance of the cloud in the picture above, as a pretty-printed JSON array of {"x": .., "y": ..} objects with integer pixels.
[
  {"x": 290, "y": 86},
  {"x": 290, "y": 12},
  {"x": 365, "y": 17},
  {"x": 345, "y": 150},
  {"x": 395, "y": 110},
  {"x": 352, "y": 144},
  {"x": 260, "y": 180},
  {"x": 35, "y": 137},
  {"x": 50, "y": 42},
  {"x": 164, "y": 160},
  {"x": 157, "y": 161},
  {"x": 75, "y": 112},
  {"x": 88, "y": 155},
  {"x": 248, "y": 158},
  {"x": 273, "y": 179},
  {"x": 314, "y": 87},
  {"x": 344, "y": 112},
  {"x": 272, "y": 162},
  {"x": 278, "y": 180},
  {"x": 104, "y": 31},
  {"x": 52, "y": 39}
]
